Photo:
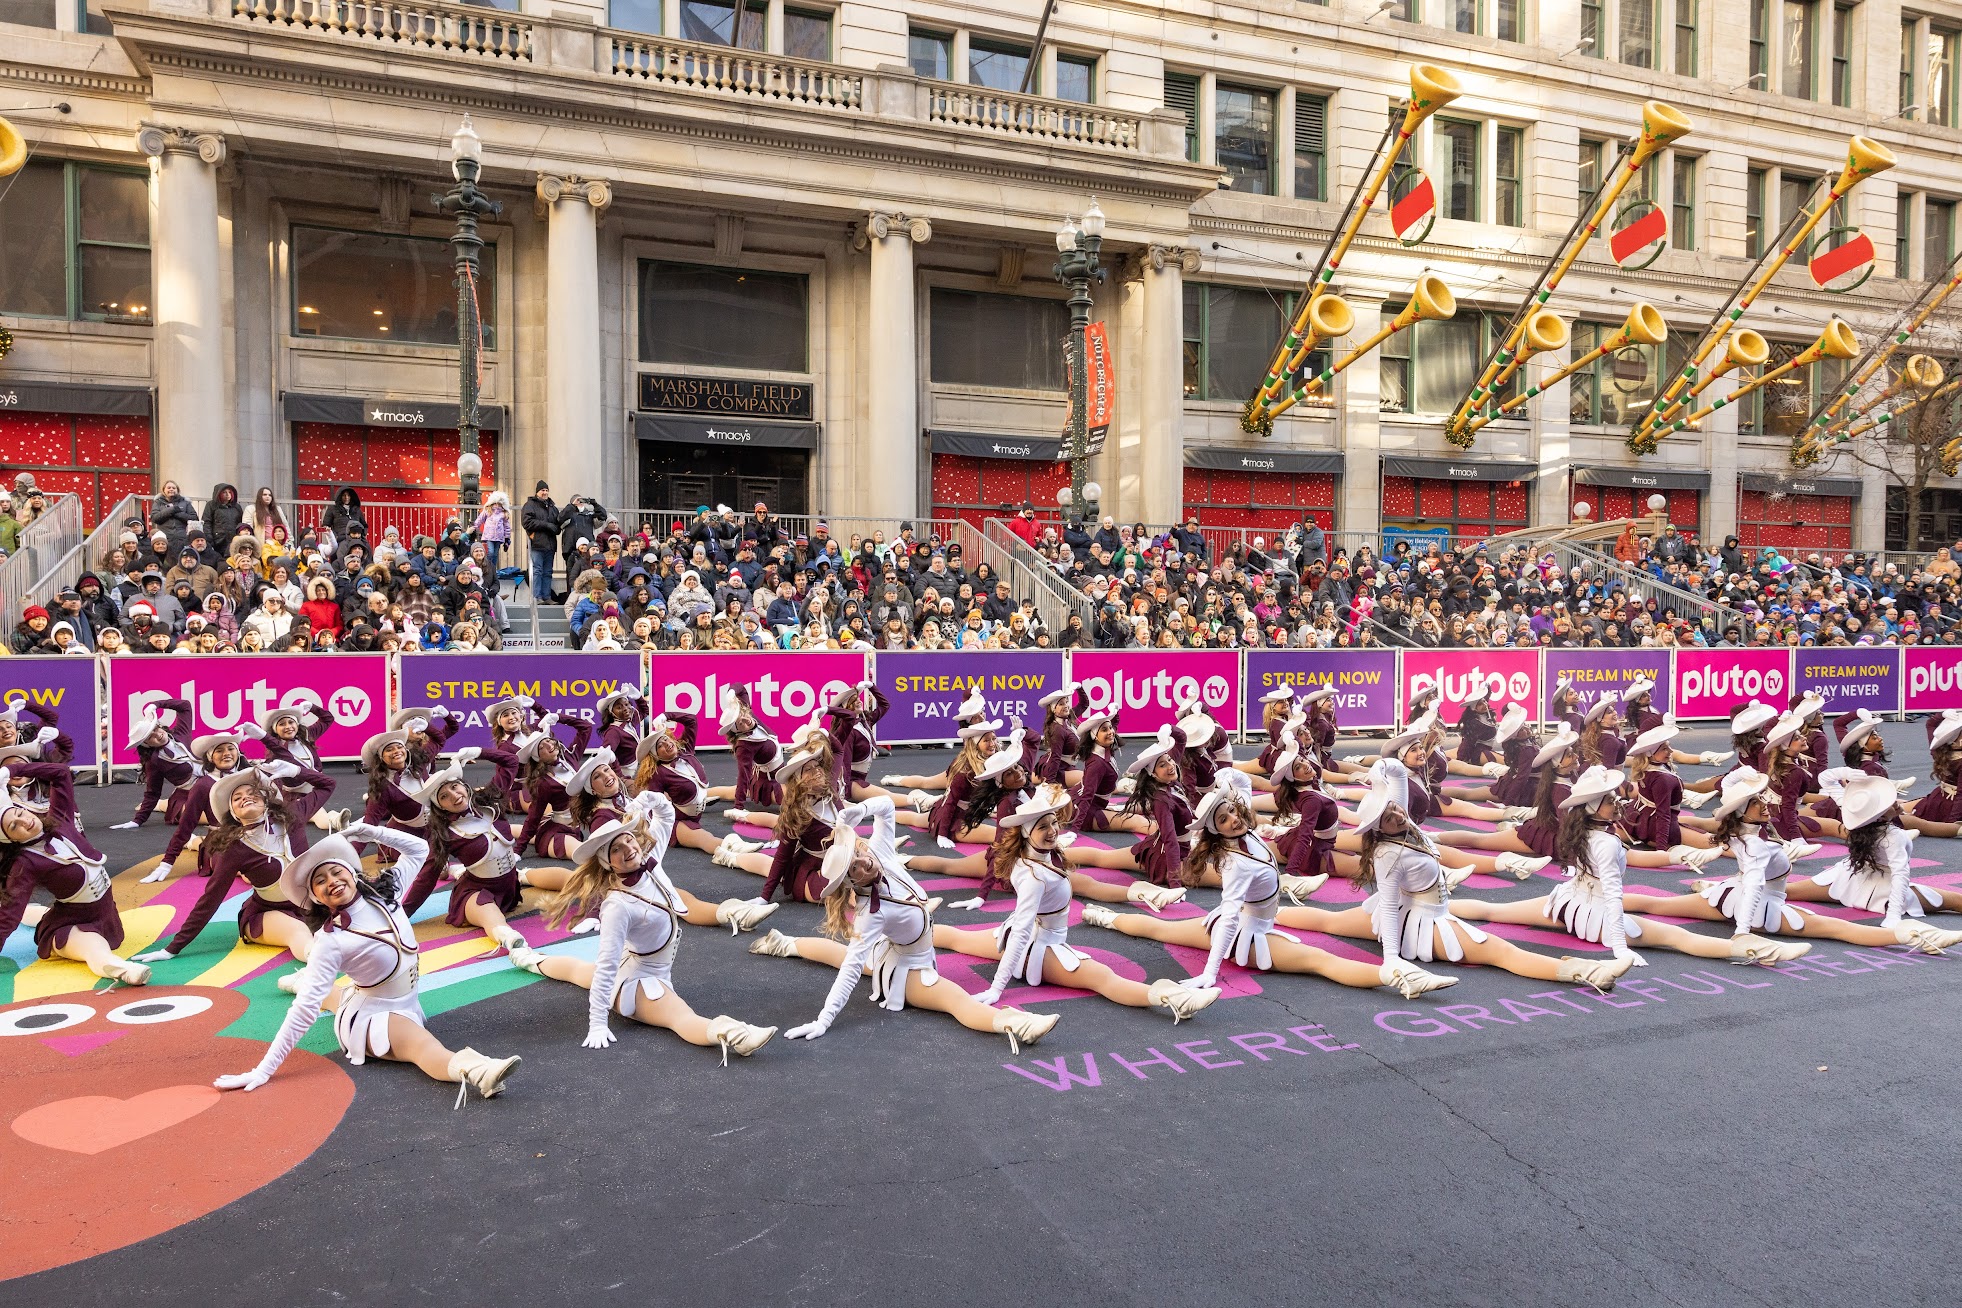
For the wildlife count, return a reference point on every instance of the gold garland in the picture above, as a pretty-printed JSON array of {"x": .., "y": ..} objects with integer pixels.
[{"x": 6, "y": 342}]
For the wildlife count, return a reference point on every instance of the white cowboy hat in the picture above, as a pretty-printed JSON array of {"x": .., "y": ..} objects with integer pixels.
[
  {"x": 1000, "y": 762},
  {"x": 1413, "y": 731},
  {"x": 1065, "y": 691},
  {"x": 402, "y": 717},
  {"x": 1421, "y": 695},
  {"x": 1198, "y": 729},
  {"x": 508, "y": 702},
  {"x": 1660, "y": 734},
  {"x": 426, "y": 792},
  {"x": 1389, "y": 783},
  {"x": 1949, "y": 728},
  {"x": 1787, "y": 726},
  {"x": 1510, "y": 723},
  {"x": 528, "y": 745},
  {"x": 333, "y": 849},
  {"x": 1753, "y": 717},
  {"x": 789, "y": 761},
  {"x": 975, "y": 730},
  {"x": 733, "y": 705},
  {"x": 1480, "y": 692},
  {"x": 973, "y": 706},
  {"x": 1278, "y": 695},
  {"x": 139, "y": 730},
  {"x": 601, "y": 840},
  {"x": 838, "y": 858},
  {"x": 201, "y": 747},
  {"x": 1597, "y": 708},
  {"x": 1809, "y": 703},
  {"x": 1639, "y": 686},
  {"x": 297, "y": 712},
  {"x": 1741, "y": 787},
  {"x": 1046, "y": 800},
  {"x": 1317, "y": 695},
  {"x": 222, "y": 788},
  {"x": 582, "y": 779},
  {"x": 1858, "y": 730},
  {"x": 371, "y": 752},
  {"x": 1150, "y": 754},
  {"x": 1593, "y": 785},
  {"x": 627, "y": 692},
  {"x": 1557, "y": 744},
  {"x": 1235, "y": 786},
  {"x": 1089, "y": 725},
  {"x": 1865, "y": 800}
]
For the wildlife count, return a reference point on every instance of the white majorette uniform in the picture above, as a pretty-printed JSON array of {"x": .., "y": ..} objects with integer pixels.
[
  {"x": 1889, "y": 893},
  {"x": 1755, "y": 898},
  {"x": 894, "y": 929},
  {"x": 1411, "y": 901},
  {"x": 1039, "y": 927},
  {"x": 1249, "y": 900},
  {"x": 640, "y": 925},
  {"x": 1588, "y": 903},
  {"x": 371, "y": 941}
]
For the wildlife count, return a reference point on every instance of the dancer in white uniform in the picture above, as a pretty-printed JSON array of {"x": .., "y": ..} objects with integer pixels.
[
  {"x": 1589, "y": 903},
  {"x": 1754, "y": 900},
  {"x": 1033, "y": 944},
  {"x": 1250, "y": 899},
  {"x": 1874, "y": 875},
  {"x": 368, "y": 937},
  {"x": 618, "y": 874},
  {"x": 890, "y": 933}
]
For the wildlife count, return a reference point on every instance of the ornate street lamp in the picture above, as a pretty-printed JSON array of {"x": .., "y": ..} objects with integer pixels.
[
  {"x": 1079, "y": 245},
  {"x": 469, "y": 204}
]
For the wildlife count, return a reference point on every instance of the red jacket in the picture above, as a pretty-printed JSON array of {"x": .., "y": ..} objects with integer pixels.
[
  {"x": 1025, "y": 528},
  {"x": 322, "y": 615}
]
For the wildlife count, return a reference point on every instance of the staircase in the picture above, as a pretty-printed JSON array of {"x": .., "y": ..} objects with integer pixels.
[{"x": 534, "y": 627}]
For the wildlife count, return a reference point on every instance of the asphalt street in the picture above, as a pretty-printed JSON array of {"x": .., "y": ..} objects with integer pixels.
[{"x": 1706, "y": 1135}]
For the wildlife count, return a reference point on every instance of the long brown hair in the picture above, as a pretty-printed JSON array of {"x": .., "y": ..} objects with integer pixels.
[
  {"x": 484, "y": 802},
  {"x": 229, "y": 831},
  {"x": 1543, "y": 793},
  {"x": 1942, "y": 760},
  {"x": 1731, "y": 825},
  {"x": 1863, "y": 846},
  {"x": 1210, "y": 849},
  {"x": 1576, "y": 825},
  {"x": 1589, "y": 744},
  {"x": 807, "y": 787},
  {"x": 1010, "y": 847},
  {"x": 585, "y": 889},
  {"x": 970, "y": 759}
]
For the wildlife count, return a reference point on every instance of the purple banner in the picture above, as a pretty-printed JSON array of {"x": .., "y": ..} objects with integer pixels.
[
  {"x": 570, "y": 684},
  {"x": 1365, "y": 683},
  {"x": 1598, "y": 672},
  {"x": 1853, "y": 678},
  {"x": 64, "y": 685},
  {"x": 926, "y": 690}
]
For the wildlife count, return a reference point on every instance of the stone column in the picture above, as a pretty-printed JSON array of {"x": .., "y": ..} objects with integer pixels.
[
  {"x": 574, "y": 407},
  {"x": 1359, "y": 397},
  {"x": 1161, "y": 376},
  {"x": 195, "y": 441},
  {"x": 1720, "y": 448},
  {"x": 890, "y": 366}
]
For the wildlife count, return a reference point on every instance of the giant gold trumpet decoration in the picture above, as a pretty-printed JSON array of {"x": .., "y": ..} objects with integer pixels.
[
  {"x": 1661, "y": 125},
  {"x": 1431, "y": 88},
  {"x": 1836, "y": 342},
  {"x": 1644, "y": 326},
  {"x": 1810, "y": 446},
  {"x": 1922, "y": 377},
  {"x": 1745, "y": 349},
  {"x": 13, "y": 149},
  {"x": 1430, "y": 299},
  {"x": 1867, "y": 369},
  {"x": 1864, "y": 158}
]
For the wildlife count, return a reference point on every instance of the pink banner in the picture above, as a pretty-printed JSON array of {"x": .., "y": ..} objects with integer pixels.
[
  {"x": 1511, "y": 676},
  {"x": 1146, "y": 685},
  {"x": 225, "y": 692},
  {"x": 1712, "y": 682},
  {"x": 786, "y": 687},
  {"x": 1934, "y": 678}
]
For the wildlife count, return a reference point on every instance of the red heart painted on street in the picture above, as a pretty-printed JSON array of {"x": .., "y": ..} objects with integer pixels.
[{"x": 91, "y": 1124}]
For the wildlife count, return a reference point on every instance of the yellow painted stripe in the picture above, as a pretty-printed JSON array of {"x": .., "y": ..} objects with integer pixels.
[
  {"x": 61, "y": 976},
  {"x": 243, "y": 960},
  {"x": 463, "y": 951}
]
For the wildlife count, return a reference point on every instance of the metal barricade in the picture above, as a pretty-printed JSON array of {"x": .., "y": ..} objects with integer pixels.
[
  {"x": 89, "y": 555},
  {"x": 44, "y": 544}
]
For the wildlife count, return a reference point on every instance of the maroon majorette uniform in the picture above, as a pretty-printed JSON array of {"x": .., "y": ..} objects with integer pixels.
[
  {"x": 259, "y": 857},
  {"x": 1308, "y": 847},
  {"x": 1651, "y": 818},
  {"x": 548, "y": 809},
  {"x": 1161, "y": 854},
  {"x": 756, "y": 753},
  {"x": 169, "y": 764},
  {"x": 482, "y": 846},
  {"x": 63, "y": 863},
  {"x": 1090, "y": 799},
  {"x": 197, "y": 812},
  {"x": 797, "y": 867},
  {"x": 1058, "y": 751},
  {"x": 852, "y": 741},
  {"x": 1539, "y": 832},
  {"x": 307, "y": 793},
  {"x": 1515, "y": 788},
  {"x": 508, "y": 778},
  {"x": 1277, "y": 739},
  {"x": 623, "y": 738},
  {"x": 1475, "y": 734},
  {"x": 945, "y": 817}
]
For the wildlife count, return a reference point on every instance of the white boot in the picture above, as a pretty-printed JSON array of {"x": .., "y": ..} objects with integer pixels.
[
  {"x": 1155, "y": 898},
  {"x": 1457, "y": 876},
  {"x": 1926, "y": 939},
  {"x": 741, "y": 846},
  {"x": 741, "y": 914},
  {"x": 289, "y": 982},
  {"x": 1022, "y": 1027},
  {"x": 774, "y": 944},
  {"x": 726, "y": 852},
  {"x": 736, "y": 814},
  {"x": 1597, "y": 973},
  {"x": 921, "y": 800},
  {"x": 1517, "y": 813},
  {"x": 528, "y": 959},
  {"x": 320, "y": 818},
  {"x": 739, "y": 1038},
  {"x": 509, "y": 938},
  {"x": 484, "y": 1075},
  {"x": 1411, "y": 980},
  {"x": 130, "y": 974},
  {"x": 1099, "y": 915},
  {"x": 890, "y": 779},
  {"x": 1519, "y": 865},
  {"x": 1749, "y": 948},
  {"x": 1697, "y": 798},
  {"x": 1695, "y": 859},
  {"x": 1180, "y": 1001},
  {"x": 1299, "y": 888}
]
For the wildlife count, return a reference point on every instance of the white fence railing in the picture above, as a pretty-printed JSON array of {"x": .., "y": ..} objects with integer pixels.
[
  {"x": 724, "y": 70},
  {"x": 1062, "y": 121},
  {"x": 91, "y": 554},
  {"x": 44, "y": 543}
]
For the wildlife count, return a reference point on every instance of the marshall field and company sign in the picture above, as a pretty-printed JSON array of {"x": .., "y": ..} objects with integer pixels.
[{"x": 733, "y": 397}]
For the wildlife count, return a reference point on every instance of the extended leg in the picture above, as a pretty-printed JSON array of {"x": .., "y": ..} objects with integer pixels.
[
  {"x": 283, "y": 932},
  {"x": 91, "y": 950}
]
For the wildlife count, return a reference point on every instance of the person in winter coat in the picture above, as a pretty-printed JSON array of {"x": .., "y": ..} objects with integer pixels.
[
  {"x": 223, "y": 515},
  {"x": 97, "y": 604},
  {"x": 189, "y": 567},
  {"x": 581, "y": 520},
  {"x": 541, "y": 518},
  {"x": 493, "y": 528},
  {"x": 270, "y": 621},
  {"x": 31, "y": 631},
  {"x": 320, "y": 610},
  {"x": 341, "y": 517},
  {"x": 172, "y": 514}
]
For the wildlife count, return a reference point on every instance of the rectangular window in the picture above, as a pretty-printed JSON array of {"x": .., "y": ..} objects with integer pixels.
[
  {"x": 1230, "y": 334},
  {"x": 807, "y": 34},
  {"x": 931, "y": 54},
  {"x": 1593, "y": 30},
  {"x": 28, "y": 13},
  {"x": 367, "y": 286},
  {"x": 1410, "y": 11},
  {"x": 721, "y": 22},
  {"x": 711, "y": 317},
  {"x": 1908, "y": 106},
  {"x": 1686, "y": 38},
  {"x": 1843, "y": 55},
  {"x": 1903, "y": 232},
  {"x": 1427, "y": 368},
  {"x": 1682, "y": 203},
  {"x": 1760, "y": 45},
  {"x": 1939, "y": 108},
  {"x": 1800, "y": 36},
  {"x": 1009, "y": 342},
  {"x": 1780, "y": 409},
  {"x": 1794, "y": 190},
  {"x": 1182, "y": 96},
  {"x": 34, "y": 254},
  {"x": 90, "y": 18},
  {"x": 1076, "y": 78},
  {"x": 635, "y": 16},
  {"x": 1310, "y": 146},
  {"x": 997, "y": 66},
  {"x": 1243, "y": 140},
  {"x": 1937, "y": 236},
  {"x": 1457, "y": 167},
  {"x": 1505, "y": 16},
  {"x": 1508, "y": 191},
  {"x": 1618, "y": 389},
  {"x": 75, "y": 243},
  {"x": 1637, "y": 43},
  {"x": 1462, "y": 15},
  {"x": 1593, "y": 153},
  {"x": 1754, "y": 234}
]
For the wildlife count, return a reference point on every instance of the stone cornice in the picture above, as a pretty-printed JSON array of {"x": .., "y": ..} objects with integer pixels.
[{"x": 74, "y": 79}]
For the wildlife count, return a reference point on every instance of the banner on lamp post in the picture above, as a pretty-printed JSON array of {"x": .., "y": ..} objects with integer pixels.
[
  {"x": 226, "y": 692},
  {"x": 569, "y": 684},
  {"x": 1144, "y": 686},
  {"x": 1364, "y": 682},
  {"x": 1598, "y": 672},
  {"x": 62, "y": 685},
  {"x": 1511, "y": 676},
  {"x": 786, "y": 687},
  {"x": 1856, "y": 678},
  {"x": 1711, "y": 683},
  {"x": 1100, "y": 389},
  {"x": 926, "y": 690}
]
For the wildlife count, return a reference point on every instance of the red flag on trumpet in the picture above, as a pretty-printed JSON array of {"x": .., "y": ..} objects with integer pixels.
[
  {"x": 1414, "y": 211},
  {"x": 1648, "y": 226},
  {"x": 1832, "y": 263}
]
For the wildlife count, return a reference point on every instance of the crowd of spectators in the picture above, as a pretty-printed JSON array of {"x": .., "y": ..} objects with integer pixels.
[{"x": 232, "y": 575}]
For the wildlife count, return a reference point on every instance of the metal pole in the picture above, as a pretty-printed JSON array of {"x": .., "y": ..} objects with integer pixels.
[
  {"x": 469, "y": 204},
  {"x": 1076, "y": 268}
]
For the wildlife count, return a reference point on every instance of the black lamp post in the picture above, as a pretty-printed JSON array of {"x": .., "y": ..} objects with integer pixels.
[
  {"x": 469, "y": 204},
  {"x": 1079, "y": 248}
]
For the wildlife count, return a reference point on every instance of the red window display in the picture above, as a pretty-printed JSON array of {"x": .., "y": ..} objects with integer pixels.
[
  {"x": 1608, "y": 502},
  {"x": 99, "y": 457},
  {"x": 1802, "y": 522},
  {"x": 1269, "y": 501},
  {"x": 977, "y": 489},
  {"x": 1427, "y": 505},
  {"x": 385, "y": 465}
]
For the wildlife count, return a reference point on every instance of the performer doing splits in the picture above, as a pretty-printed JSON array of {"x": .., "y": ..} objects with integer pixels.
[
  {"x": 1879, "y": 854},
  {"x": 47, "y": 851},
  {"x": 368, "y": 937}
]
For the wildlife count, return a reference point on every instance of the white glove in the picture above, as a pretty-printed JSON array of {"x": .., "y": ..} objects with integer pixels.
[
  {"x": 162, "y": 872},
  {"x": 1494, "y": 770},
  {"x": 808, "y": 1031},
  {"x": 975, "y": 902},
  {"x": 943, "y": 842},
  {"x": 990, "y": 997},
  {"x": 1626, "y": 952},
  {"x": 1165, "y": 734},
  {"x": 527, "y": 701},
  {"x": 630, "y": 692},
  {"x": 549, "y": 721},
  {"x": 280, "y": 769},
  {"x": 243, "y": 1080},
  {"x": 1204, "y": 981},
  {"x": 468, "y": 754},
  {"x": 439, "y": 711},
  {"x": 125, "y": 826},
  {"x": 358, "y": 831},
  {"x": 418, "y": 725},
  {"x": 598, "y": 1037},
  {"x": 1901, "y": 785},
  {"x": 154, "y": 956},
  {"x": 1712, "y": 757},
  {"x": 46, "y": 735},
  {"x": 585, "y": 926},
  {"x": 252, "y": 731}
]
